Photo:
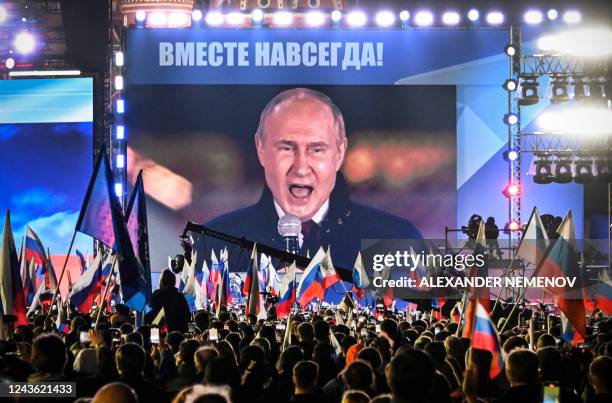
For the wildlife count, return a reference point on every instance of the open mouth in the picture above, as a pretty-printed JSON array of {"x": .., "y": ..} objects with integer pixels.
[{"x": 300, "y": 191}]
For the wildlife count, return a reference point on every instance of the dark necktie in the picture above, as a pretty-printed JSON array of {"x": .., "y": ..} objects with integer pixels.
[{"x": 310, "y": 231}]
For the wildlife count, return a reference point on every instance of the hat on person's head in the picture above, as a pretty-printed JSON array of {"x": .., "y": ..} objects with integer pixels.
[{"x": 351, "y": 353}]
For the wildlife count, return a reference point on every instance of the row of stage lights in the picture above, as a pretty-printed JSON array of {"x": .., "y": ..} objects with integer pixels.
[{"x": 315, "y": 19}]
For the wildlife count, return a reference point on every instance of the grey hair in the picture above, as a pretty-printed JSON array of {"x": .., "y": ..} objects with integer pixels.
[{"x": 301, "y": 93}]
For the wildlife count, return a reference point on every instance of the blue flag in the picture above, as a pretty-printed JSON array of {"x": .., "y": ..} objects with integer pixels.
[{"x": 136, "y": 221}]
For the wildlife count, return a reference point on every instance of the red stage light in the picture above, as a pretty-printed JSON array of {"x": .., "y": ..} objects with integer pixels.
[
  {"x": 512, "y": 190},
  {"x": 514, "y": 226}
]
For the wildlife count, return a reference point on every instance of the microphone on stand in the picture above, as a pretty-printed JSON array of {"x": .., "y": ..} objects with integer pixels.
[{"x": 289, "y": 227}]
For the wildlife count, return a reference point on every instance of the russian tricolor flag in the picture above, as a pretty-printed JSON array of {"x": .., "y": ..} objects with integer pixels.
[
  {"x": 286, "y": 293},
  {"x": 328, "y": 272},
  {"x": 360, "y": 278},
  {"x": 87, "y": 287},
  {"x": 12, "y": 294},
  {"x": 311, "y": 284},
  {"x": 484, "y": 337}
]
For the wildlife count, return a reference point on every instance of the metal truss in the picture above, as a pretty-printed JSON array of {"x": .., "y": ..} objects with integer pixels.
[
  {"x": 540, "y": 65},
  {"x": 514, "y": 135}
]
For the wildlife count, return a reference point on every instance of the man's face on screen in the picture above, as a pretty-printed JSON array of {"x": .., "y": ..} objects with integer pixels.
[{"x": 301, "y": 153}]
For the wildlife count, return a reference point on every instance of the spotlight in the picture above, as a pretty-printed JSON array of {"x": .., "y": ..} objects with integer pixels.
[
  {"x": 451, "y": 18},
  {"x": 157, "y": 19},
  {"x": 120, "y": 106},
  {"x": 543, "y": 171},
  {"x": 235, "y": 18},
  {"x": 3, "y": 14},
  {"x": 572, "y": 17},
  {"x": 495, "y": 18},
  {"x": 595, "y": 90},
  {"x": 511, "y": 190},
  {"x": 283, "y": 18},
  {"x": 510, "y": 119},
  {"x": 118, "y": 83},
  {"x": 385, "y": 19},
  {"x": 559, "y": 91},
  {"x": 584, "y": 171},
  {"x": 178, "y": 20},
  {"x": 473, "y": 15},
  {"x": 552, "y": 14},
  {"x": 24, "y": 42},
  {"x": 9, "y": 63},
  {"x": 119, "y": 59},
  {"x": 404, "y": 16},
  {"x": 551, "y": 122},
  {"x": 511, "y": 155},
  {"x": 513, "y": 226},
  {"x": 579, "y": 89},
  {"x": 196, "y": 15},
  {"x": 356, "y": 18},
  {"x": 120, "y": 162},
  {"x": 119, "y": 189},
  {"x": 510, "y": 85},
  {"x": 603, "y": 170},
  {"x": 141, "y": 16},
  {"x": 563, "y": 171},
  {"x": 120, "y": 132},
  {"x": 510, "y": 49},
  {"x": 257, "y": 16},
  {"x": 533, "y": 17},
  {"x": 315, "y": 18},
  {"x": 529, "y": 91},
  {"x": 423, "y": 18},
  {"x": 336, "y": 16},
  {"x": 214, "y": 18}
]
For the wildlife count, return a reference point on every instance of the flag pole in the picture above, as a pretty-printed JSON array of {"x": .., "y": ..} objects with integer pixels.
[
  {"x": 463, "y": 312},
  {"x": 513, "y": 309},
  {"x": 59, "y": 281},
  {"x": 108, "y": 281}
]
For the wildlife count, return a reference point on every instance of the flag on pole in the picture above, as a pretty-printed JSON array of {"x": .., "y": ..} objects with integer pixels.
[
  {"x": 60, "y": 321},
  {"x": 286, "y": 293},
  {"x": 224, "y": 294},
  {"x": 13, "y": 296},
  {"x": 215, "y": 273},
  {"x": 88, "y": 286},
  {"x": 81, "y": 259},
  {"x": 335, "y": 344},
  {"x": 271, "y": 280},
  {"x": 328, "y": 272},
  {"x": 535, "y": 240},
  {"x": 311, "y": 284},
  {"x": 360, "y": 278},
  {"x": 287, "y": 336},
  {"x": 484, "y": 336},
  {"x": 254, "y": 303}
]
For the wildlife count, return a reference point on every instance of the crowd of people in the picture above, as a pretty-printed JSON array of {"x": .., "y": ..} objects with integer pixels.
[{"x": 378, "y": 357}]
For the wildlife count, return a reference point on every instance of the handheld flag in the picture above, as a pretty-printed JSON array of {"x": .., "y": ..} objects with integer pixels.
[
  {"x": 535, "y": 240},
  {"x": 360, "y": 278},
  {"x": 311, "y": 284},
  {"x": 88, "y": 286},
  {"x": 286, "y": 293},
  {"x": 254, "y": 303},
  {"x": 328, "y": 272},
  {"x": 11, "y": 286},
  {"x": 484, "y": 337}
]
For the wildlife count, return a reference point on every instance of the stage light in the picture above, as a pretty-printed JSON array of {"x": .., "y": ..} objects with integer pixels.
[
  {"x": 550, "y": 122},
  {"x": 235, "y": 18},
  {"x": 423, "y": 18},
  {"x": 141, "y": 16},
  {"x": 24, "y": 42},
  {"x": 283, "y": 18},
  {"x": 563, "y": 171},
  {"x": 118, "y": 83},
  {"x": 510, "y": 119},
  {"x": 559, "y": 91},
  {"x": 120, "y": 106},
  {"x": 495, "y": 18},
  {"x": 356, "y": 18},
  {"x": 533, "y": 17},
  {"x": 552, "y": 14},
  {"x": 120, "y": 132},
  {"x": 603, "y": 170},
  {"x": 120, "y": 163},
  {"x": 451, "y": 18},
  {"x": 257, "y": 16},
  {"x": 119, "y": 59},
  {"x": 9, "y": 63},
  {"x": 385, "y": 19},
  {"x": 543, "y": 172},
  {"x": 336, "y": 16},
  {"x": 579, "y": 89},
  {"x": 510, "y": 49},
  {"x": 595, "y": 91},
  {"x": 119, "y": 189},
  {"x": 404, "y": 15},
  {"x": 178, "y": 20},
  {"x": 514, "y": 226},
  {"x": 315, "y": 18},
  {"x": 510, "y": 85},
  {"x": 511, "y": 155},
  {"x": 572, "y": 17},
  {"x": 529, "y": 91},
  {"x": 3, "y": 14},
  {"x": 473, "y": 15},
  {"x": 584, "y": 171},
  {"x": 196, "y": 15},
  {"x": 588, "y": 42},
  {"x": 157, "y": 19},
  {"x": 214, "y": 18},
  {"x": 511, "y": 190}
]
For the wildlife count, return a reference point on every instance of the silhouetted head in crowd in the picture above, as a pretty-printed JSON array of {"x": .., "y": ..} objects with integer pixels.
[
  {"x": 550, "y": 364},
  {"x": 437, "y": 352},
  {"x": 370, "y": 355},
  {"x": 203, "y": 355},
  {"x": 135, "y": 337},
  {"x": 546, "y": 340},
  {"x": 264, "y": 344},
  {"x": 305, "y": 374},
  {"x": 390, "y": 331},
  {"x": 410, "y": 375},
  {"x": 321, "y": 330},
  {"x": 515, "y": 342},
  {"x": 208, "y": 394},
  {"x": 522, "y": 367},
  {"x": 130, "y": 359},
  {"x": 288, "y": 358},
  {"x": 383, "y": 347},
  {"x": 23, "y": 334},
  {"x": 202, "y": 320},
  {"x": 126, "y": 329},
  {"x": 116, "y": 392},
  {"x": 454, "y": 347},
  {"x": 174, "y": 339},
  {"x": 167, "y": 279},
  {"x": 358, "y": 375},
  {"x": 187, "y": 351},
  {"x": 422, "y": 342},
  {"x": 217, "y": 372},
  {"x": 355, "y": 396},
  {"x": 49, "y": 354},
  {"x": 600, "y": 376}
]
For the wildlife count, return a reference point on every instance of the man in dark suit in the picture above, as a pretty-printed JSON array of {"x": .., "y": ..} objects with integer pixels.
[{"x": 301, "y": 143}]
